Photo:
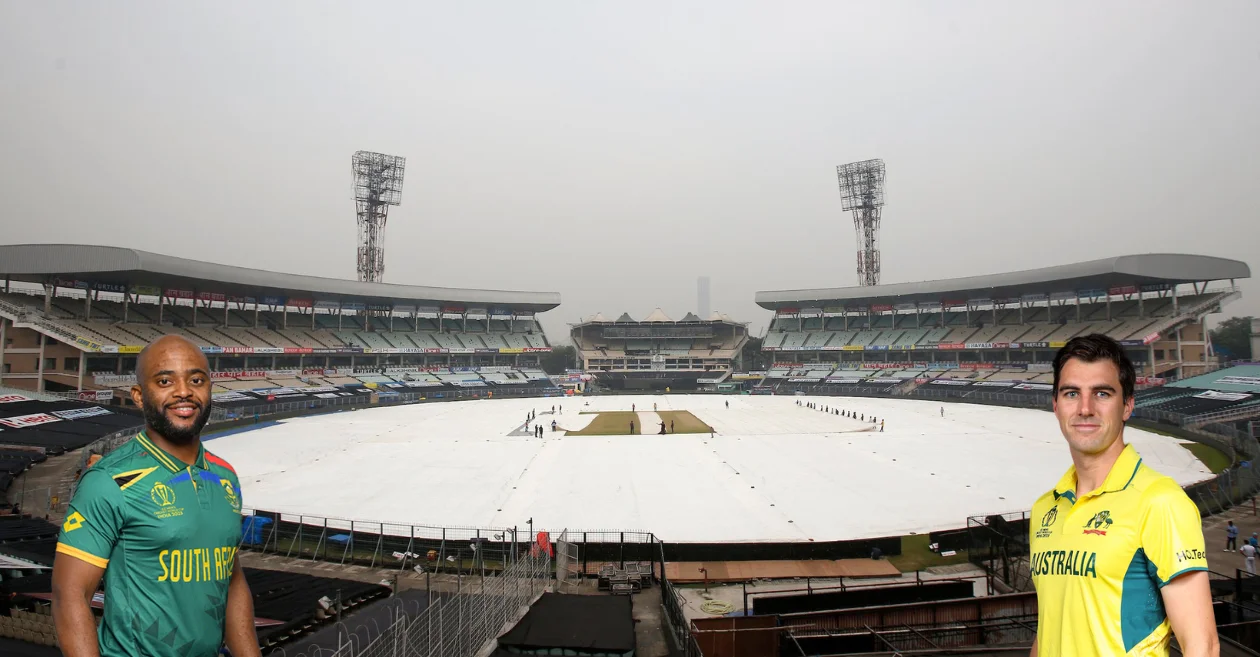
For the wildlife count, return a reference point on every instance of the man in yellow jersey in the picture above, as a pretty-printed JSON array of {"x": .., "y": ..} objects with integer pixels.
[{"x": 1118, "y": 558}]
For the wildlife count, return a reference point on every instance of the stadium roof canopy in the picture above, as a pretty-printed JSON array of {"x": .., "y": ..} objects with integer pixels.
[
  {"x": 1105, "y": 274},
  {"x": 46, "y": 263},
  {"x": 657, "y": 316}
]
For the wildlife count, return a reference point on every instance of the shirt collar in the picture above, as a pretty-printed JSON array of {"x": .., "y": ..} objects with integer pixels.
[
  {"x": 1121, "y": 475},
  {"x": 165, "y": 458}
]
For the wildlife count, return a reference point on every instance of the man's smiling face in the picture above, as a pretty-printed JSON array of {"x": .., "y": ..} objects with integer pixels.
[
  {"x": 173, "y": 389},
  {"x": 1090, "y": 405}
]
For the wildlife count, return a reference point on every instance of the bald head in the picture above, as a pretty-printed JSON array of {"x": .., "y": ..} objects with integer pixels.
[
  {"x": 162, "y": 348},
  {"x": 173, "y": 388}
]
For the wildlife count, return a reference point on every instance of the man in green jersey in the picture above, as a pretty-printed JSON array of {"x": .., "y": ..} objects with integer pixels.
[{"x": 160, "y": 518}]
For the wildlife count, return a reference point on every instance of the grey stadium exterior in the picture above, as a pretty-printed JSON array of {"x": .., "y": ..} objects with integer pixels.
[
  {"x": 1154, "y": 304},
  {"x": 96, "y": 306}
]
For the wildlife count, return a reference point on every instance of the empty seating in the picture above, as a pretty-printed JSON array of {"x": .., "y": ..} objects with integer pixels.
[
  {"x": 985, "y": 334},
  {"x": 470, "y": 340},
  {"x": 864, "y": 338},
  {"x": 817, "y": 340},
  {"x": 448, "y": 341},
  {"x": 1066, "y": 332},
  {"x": 909, "y": 338},
  {"x": 424, "y": 340},
  {"x": 372, "y": 340},
  {"x": 1010, "y": 333},
  {"x": 494, "y": 341},
  {"x": 887, "y": 338},
  {"x": 793, "y": 340},
  {"x": 959, "y": 335}
]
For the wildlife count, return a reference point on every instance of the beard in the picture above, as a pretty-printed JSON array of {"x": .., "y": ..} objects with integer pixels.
[{"x": 155, "y": 417}]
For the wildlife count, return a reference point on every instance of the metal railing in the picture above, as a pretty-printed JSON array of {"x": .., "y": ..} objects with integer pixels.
[
  {"x": 676, "y": 624},
  {"x": 384, "y": 398},
  {"x": 436, "y": 549},
  {"x": 1231, "y": 413},
  {"x": 1238, "y": 445},
  {"x": 1226, "y": 294},
  {"x": 15, "y": 311},
  {"x": 70, "y": 479},
  {"x": 462, "y": 623},
  {"x": 38, "y": 502}
]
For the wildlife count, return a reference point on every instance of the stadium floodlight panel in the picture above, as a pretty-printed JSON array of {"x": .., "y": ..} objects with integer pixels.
[
  {"x": 378, "y": 178},
  {"x": 861, "y": 184}
]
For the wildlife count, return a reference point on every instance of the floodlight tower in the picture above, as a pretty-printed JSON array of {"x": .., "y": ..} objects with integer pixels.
[
  {"x": 862, "y": 191},
  {"x": 378, "y": 181}
]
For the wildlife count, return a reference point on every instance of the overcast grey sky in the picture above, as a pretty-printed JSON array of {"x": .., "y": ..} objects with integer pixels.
[{"x": 613, "y": 152}]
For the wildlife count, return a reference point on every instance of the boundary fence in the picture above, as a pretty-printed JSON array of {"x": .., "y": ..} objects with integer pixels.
[
  {"x": 462, "y": 623},
  {"x": 385, "y": 397},
  {"x": 438, "y": 549}
]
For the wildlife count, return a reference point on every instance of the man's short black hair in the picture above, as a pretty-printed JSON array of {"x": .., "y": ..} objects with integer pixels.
[{"x": 1093, "y": 348}]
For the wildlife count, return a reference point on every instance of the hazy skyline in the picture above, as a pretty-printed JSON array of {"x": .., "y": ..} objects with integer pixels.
[{"x": 616, "y": 153}]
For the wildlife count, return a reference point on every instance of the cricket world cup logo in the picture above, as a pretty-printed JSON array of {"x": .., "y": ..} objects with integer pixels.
[{"x": 162, "y": 495}]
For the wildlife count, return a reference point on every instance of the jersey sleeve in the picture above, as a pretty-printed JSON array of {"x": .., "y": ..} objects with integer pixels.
[
  {"x": 1172, "y": 532},
  {"x": 93, "y": 519}
]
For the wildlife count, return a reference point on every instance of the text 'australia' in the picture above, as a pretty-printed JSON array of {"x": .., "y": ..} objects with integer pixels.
[{"x": 1065, "y": 562}]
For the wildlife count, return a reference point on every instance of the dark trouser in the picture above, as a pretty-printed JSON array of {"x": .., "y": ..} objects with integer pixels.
[{"x": 1231, "y": 543}]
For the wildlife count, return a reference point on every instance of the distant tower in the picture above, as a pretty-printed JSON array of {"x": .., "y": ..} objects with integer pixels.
[
  {"x": 862, "y": 191},
  {"x": 378, "y": 181},
  {"x": 702, "y": 297}
]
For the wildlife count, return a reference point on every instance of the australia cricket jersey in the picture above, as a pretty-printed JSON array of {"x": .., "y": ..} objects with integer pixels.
[
  {"x": 1100, "y": 559},
  {"x": 166, "y": 534}
]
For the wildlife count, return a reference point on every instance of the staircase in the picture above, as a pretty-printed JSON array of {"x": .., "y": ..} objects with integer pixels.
[
  {"x": 1188, "y": 315},
  {"x": 905, "y": 387},
  {"x": 726, "y": 374}
]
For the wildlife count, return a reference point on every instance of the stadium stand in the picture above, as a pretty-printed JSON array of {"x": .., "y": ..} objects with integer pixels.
[
  {"x": 54, "y": 427},
  {"x": 1227, "y": 395},
  {"x": 287, "y": 605},
  {"x": 293, "y": 599},
  {"x": 1153, "y": 304},
  {"x": 658, "y": 352},
  {"x": 68, "y": 312}
]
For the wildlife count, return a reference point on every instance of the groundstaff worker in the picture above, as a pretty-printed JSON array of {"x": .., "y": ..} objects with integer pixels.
[
  {"x": 160, "y": 518},
  {"x": 1118, "y": 558}
]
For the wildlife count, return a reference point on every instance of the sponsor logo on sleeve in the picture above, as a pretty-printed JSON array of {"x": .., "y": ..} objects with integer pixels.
[
  {"x": 1190, "y": 555},
  {"x": 73, "y": 521}
]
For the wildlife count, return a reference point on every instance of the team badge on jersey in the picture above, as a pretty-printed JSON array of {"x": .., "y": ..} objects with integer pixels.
[
  {"x": 1099, "y": 523},
  {"x": 230, "y": 493}
]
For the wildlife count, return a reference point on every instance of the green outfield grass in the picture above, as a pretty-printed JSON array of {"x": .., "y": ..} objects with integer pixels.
[
  {"x": 610, "y": 423},
  {"x": 684, "y": 422},
  {"x": 915, "y": 555},
  {"x": 1213, "y": 458}
]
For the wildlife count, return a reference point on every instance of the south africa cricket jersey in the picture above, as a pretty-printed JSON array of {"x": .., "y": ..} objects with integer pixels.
[
  {"x": 1099, "y": 560},
  {"x": 166, "y": 534}
]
